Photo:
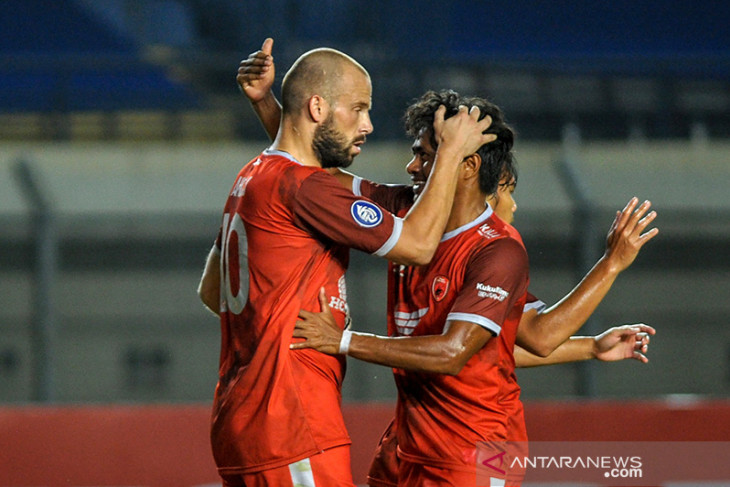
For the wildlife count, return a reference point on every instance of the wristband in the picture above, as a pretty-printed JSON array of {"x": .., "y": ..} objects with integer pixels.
[{"x": 345, "y": 342}]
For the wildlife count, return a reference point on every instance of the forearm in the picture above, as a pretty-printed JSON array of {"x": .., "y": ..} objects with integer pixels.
[
  {"x": 424, "y": 224},
  {"x": 549, "y": 329},
  {"x": 433, "y": 354},
  {"x": 268, "y": 111},
  {"x": 575, "y": 349}
]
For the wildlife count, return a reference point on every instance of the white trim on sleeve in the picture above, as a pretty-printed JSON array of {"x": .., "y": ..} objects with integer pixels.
[
  {"x": 356, "y": 186},
  {"x": 394, "y": 236},
  {"x": 477, "y": 319},
  {"x": 536, "y": 305}
]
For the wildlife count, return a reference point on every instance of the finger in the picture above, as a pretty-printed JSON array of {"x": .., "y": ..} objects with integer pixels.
[
  {"x": 474, "y": 112},
  {"x": 639, "y": 213},
  {"x": 267, "y": 46},
  {"x": 323, "y": 300},
  {"x": 648, "y": 236},
  {"x": 438, "y": 117},
  {"x": 622, "y": 218},
  {"x": 258, "y": 59},
  {"x": 487, "y": 138},
  {"x": 640, "y": 357},
  {"x": 304, "y": 314},
  {"x": 644, "y": 328},
  {"x": 645, "y": 221},
  {"x": 486, "y": 122},
  {"x": 647, "y": 329}
]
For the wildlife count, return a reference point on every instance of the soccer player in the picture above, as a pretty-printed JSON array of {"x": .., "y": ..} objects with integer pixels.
[
  {"x": 453, "y": 324},
  {"x": 616, "y": 343},
  {"x": 286, "y": 231},
  {"x": 619, "y": 340}
]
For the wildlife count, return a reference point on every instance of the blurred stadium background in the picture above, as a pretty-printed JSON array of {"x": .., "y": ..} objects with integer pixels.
[{"x": 121, "y": 129}]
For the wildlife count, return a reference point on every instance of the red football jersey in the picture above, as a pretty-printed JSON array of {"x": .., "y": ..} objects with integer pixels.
[
  {"x": 285, "y": 234},
  {"x": 479, "y": 274}
]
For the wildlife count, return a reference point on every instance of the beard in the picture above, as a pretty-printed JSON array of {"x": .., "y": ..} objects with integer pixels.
[{"x": 330, "y": 146}]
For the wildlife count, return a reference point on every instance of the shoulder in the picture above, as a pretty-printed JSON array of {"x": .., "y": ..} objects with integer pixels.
[{"x": 499, "y": 254}]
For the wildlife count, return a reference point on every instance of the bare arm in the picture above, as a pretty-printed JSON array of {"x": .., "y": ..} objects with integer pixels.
[
  {"x": 458, "y": 137},
  {"x": 553, "y": 326},
  {"x": 617, "y": 343},
  {"x": 443, "y": 354},
  {"x": 210, "y": 281}
]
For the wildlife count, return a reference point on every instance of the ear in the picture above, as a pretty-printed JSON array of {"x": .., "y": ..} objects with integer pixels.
[
  {"x": 470, "y": 166},
  {"x": 318, "y": 108}
]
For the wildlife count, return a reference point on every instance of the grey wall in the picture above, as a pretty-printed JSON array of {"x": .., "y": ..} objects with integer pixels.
[{"x": 136, "y": 222}]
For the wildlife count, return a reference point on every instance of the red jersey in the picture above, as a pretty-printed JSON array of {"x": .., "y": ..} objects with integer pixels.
[
  {"x": 285, "y": 234},
  {"x": 479, "y": 274}
]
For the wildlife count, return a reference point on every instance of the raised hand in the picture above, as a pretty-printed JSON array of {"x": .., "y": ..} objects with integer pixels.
[
  {"x": 256, "y": 73},
  {"x": 463, "y": 132},
  {"x": 626, "y": 235},
  {"x": 622, "y": 342}
]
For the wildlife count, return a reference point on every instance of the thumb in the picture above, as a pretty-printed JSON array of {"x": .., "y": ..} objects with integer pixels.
[
  {"x": 267, "y": 45},
  {"x": 323, "y": 300}
]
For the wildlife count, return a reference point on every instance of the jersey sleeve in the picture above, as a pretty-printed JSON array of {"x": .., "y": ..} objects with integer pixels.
[
  {"x": 324, "y": 207},
  {"x": 533, "y": 302},
  {"x": 496, "y": 277},
  {"x": 394, "y": 197}
]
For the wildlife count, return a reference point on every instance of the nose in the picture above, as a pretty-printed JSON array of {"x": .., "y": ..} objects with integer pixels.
[
  {"x": 414, "y": 166},
  {"x": 367, "y": 126}
]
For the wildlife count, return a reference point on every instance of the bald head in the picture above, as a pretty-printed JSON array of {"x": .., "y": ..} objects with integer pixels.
[{"x": 317, "y": 72}]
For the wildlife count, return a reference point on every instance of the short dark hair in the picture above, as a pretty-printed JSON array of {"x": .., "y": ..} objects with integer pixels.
[
  {"x": 497, "y": 156},
  {"x": 318, "y": 71}
]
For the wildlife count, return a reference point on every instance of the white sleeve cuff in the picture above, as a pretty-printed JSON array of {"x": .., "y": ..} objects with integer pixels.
[
  {"x": 477, "y": 319},
  {"x": 393, "y": 239}
]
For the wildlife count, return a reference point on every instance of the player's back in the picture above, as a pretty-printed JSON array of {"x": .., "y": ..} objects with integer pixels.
[{"x": 267, "y": 412}]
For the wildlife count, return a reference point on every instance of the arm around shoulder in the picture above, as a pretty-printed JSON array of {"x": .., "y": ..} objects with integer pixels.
[{"x": 209, "y": 286}]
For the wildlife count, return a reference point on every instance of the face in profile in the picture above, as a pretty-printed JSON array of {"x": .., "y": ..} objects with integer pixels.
[
  {"x": 420, "y": 166},
  {"x": 338, "y": 139},
  {"x": 503, "y": 201},
  {"x": 332, "y": 147}
]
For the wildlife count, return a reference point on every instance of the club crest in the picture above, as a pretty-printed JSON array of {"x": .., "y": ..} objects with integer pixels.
[{"x": 439, "y": 287}]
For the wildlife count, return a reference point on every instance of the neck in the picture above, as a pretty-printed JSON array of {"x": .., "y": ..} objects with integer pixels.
[
  {"x": 469, "y": 203},
  {"x": 296, "y": 139}
]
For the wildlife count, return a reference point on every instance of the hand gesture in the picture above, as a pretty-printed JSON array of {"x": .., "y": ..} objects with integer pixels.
[
  {"x": 256, "y": 73},
  {"x": 463, "y": 132},
  {"x": 622, "y": 342},
  {"x": 319, "y": 330},
  {"x": 625, "y": 237}
]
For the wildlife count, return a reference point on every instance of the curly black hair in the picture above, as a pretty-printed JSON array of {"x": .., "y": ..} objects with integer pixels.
[{"x": 497, "y": 156}]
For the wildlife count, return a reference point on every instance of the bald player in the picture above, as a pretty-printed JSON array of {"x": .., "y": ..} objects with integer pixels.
[{"x": 276, "y": 414}]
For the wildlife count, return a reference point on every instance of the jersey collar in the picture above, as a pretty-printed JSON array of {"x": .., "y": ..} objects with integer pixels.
[
  {"x": 281, "y": 153},
  {"x": 477, "y": 221}
]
